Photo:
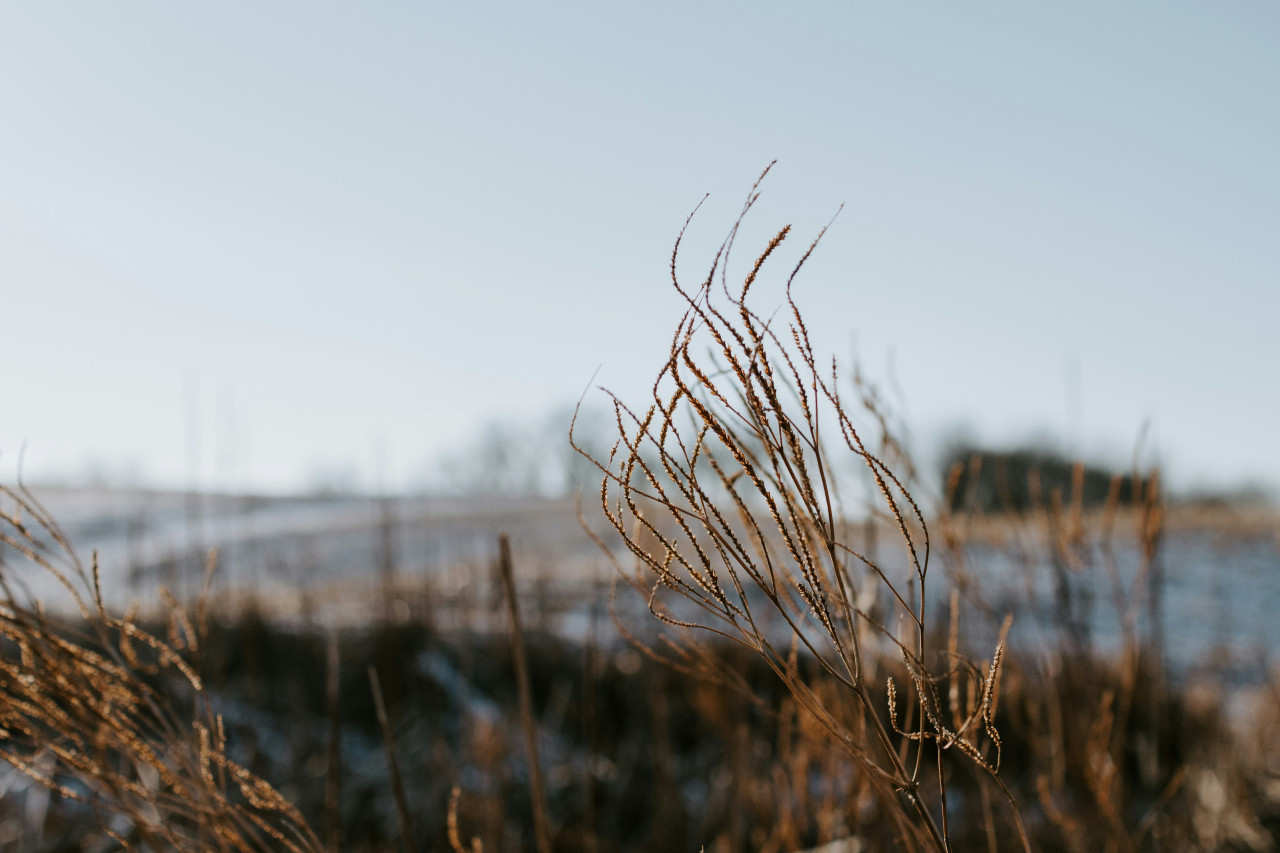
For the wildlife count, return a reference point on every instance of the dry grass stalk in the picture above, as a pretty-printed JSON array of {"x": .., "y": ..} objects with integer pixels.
[
  {"x": 393, "y": 764},
  {"x": 455, "y": 840},
  {"x": 541, "y": 823},
  {"x": 333, "y": 762},
  {"x": 724, "y": 491},
  {"x": 91, "y": 713}
]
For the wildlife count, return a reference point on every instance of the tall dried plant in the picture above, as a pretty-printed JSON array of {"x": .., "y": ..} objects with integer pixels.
[
  {"x": 724, "y": 489},
  {"x": 89, "y": 708}
]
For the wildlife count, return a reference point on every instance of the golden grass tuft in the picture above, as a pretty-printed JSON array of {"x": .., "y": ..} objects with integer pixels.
[{"x": 93, "y": 714}]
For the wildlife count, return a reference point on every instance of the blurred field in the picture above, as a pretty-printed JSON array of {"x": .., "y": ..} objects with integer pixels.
[
  {"x": 326, "y": 559},
  {"x": 637, "y": 755}
]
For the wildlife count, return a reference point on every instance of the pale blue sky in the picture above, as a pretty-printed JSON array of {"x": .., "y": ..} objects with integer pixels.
[{"x": 342, "y": 225}]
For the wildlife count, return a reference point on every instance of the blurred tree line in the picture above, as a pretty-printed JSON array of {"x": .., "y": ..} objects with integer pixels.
[
  {"x": 525, "y": 458},
  {"x": 1016, "y": 480}
]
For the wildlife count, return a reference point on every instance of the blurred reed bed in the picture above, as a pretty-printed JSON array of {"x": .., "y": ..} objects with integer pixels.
[{"x": 791, "y": 653}]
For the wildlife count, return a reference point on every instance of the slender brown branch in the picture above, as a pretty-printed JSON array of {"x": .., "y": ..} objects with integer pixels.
[
  {"x": 393, "y": 766},
  {"x": 541, "y": 823}
]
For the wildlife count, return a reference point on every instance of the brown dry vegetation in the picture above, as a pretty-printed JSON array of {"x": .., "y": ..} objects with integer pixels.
[{"x": 808, "y": 679}]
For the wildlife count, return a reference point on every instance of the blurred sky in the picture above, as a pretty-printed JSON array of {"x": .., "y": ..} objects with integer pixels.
[{"x": 279, "y": 236}]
